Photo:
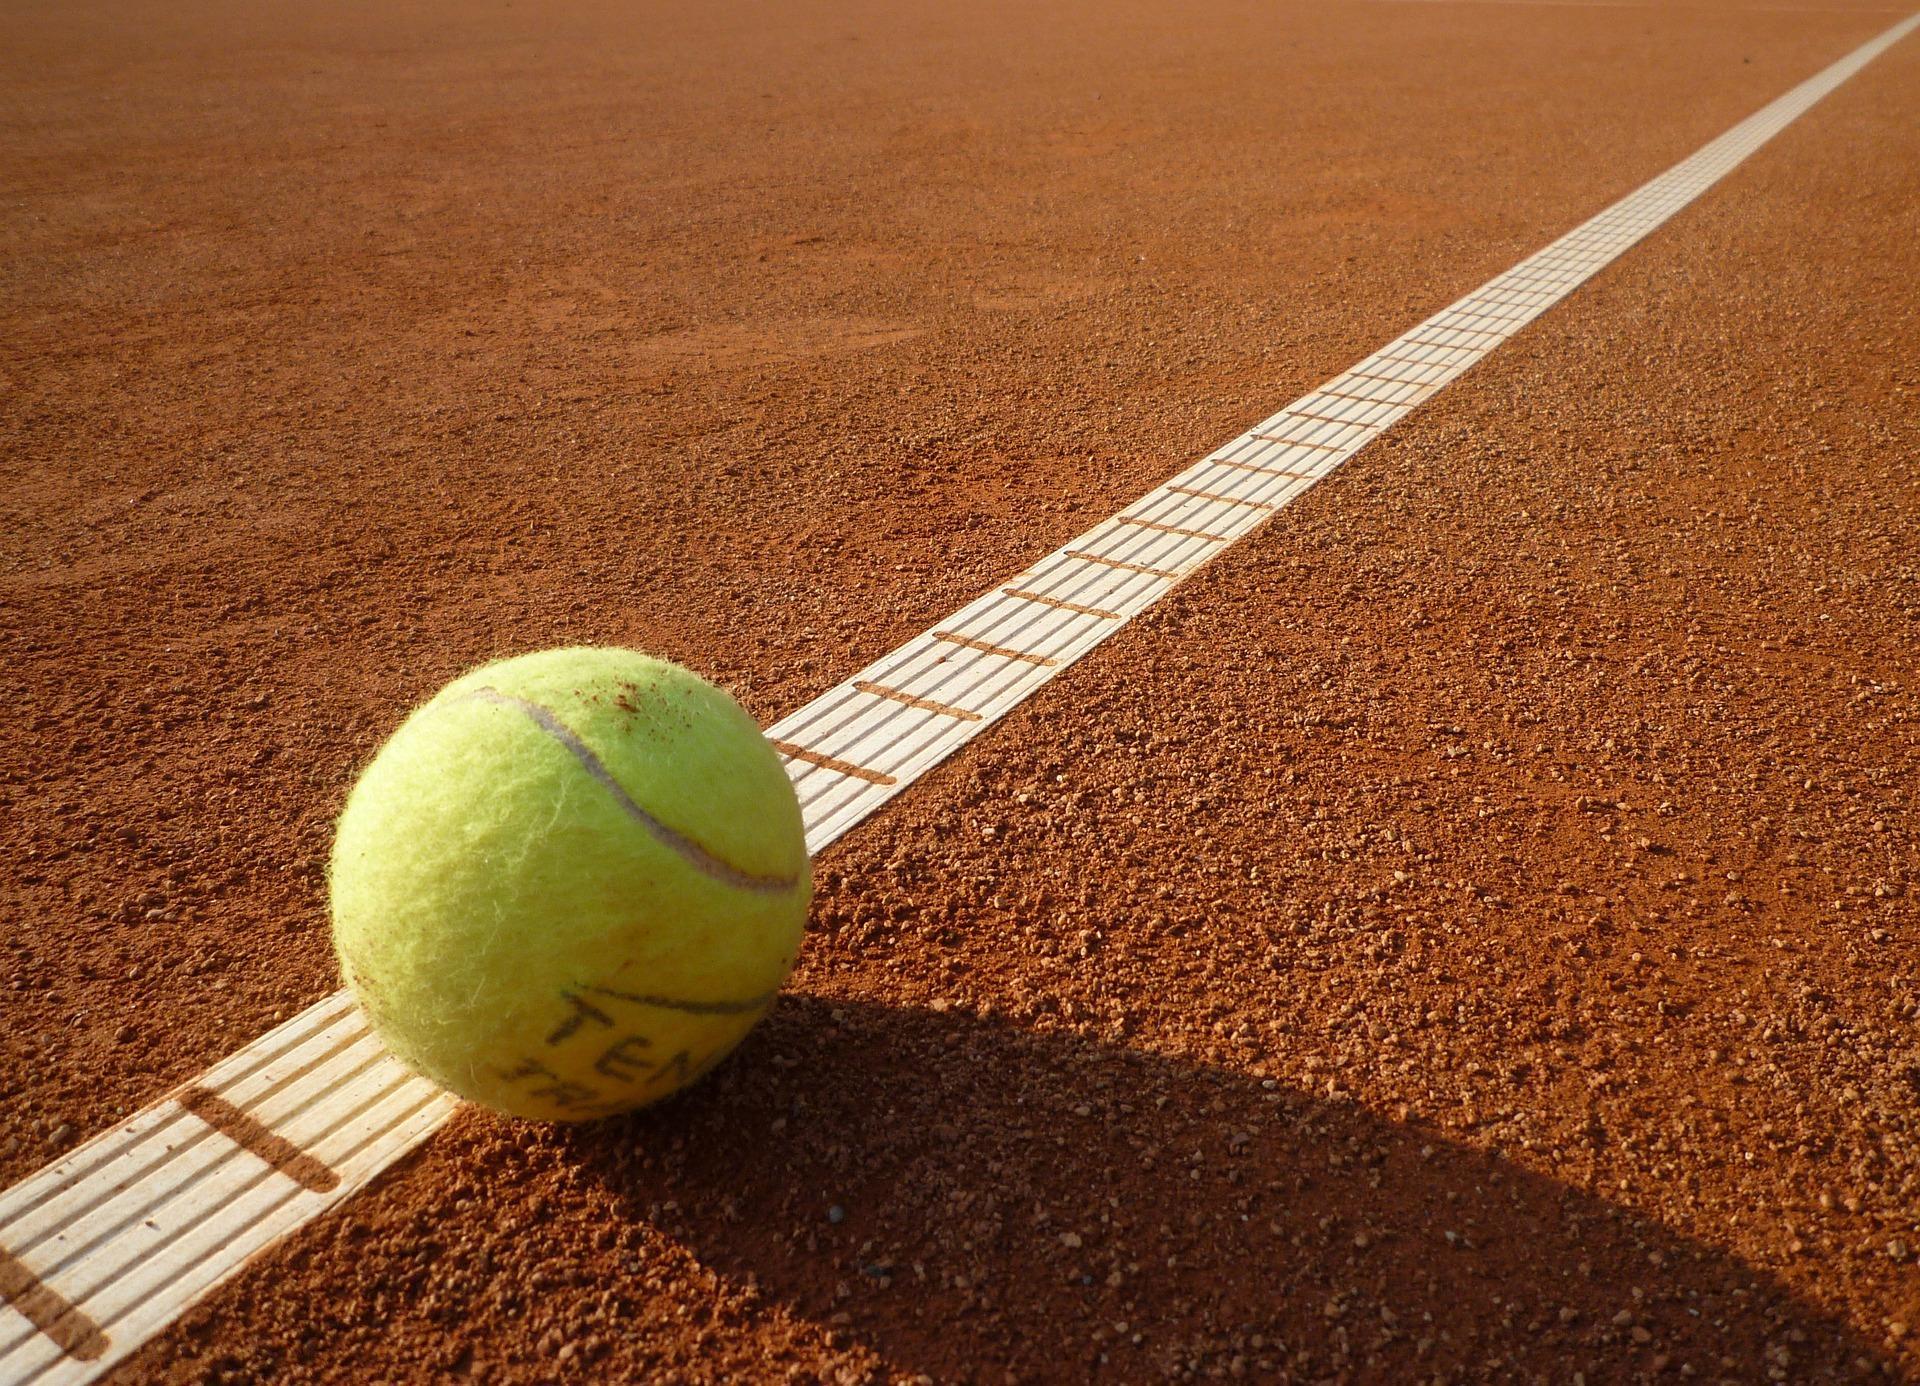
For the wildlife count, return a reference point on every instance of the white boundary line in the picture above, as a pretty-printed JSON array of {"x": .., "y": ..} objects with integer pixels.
[{"x": 104, "y": 1248}]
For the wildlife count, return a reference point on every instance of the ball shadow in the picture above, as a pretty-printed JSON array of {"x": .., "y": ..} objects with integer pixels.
[{"x": 973, "y": 1200}]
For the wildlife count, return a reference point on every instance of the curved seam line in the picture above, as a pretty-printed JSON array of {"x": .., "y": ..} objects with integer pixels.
[
  {"x": 668, "y": 1003},
  {"x": 685, "y": 847}
]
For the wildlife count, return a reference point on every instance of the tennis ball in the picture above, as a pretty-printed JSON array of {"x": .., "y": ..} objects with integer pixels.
[{"x": 570, "y": 883}]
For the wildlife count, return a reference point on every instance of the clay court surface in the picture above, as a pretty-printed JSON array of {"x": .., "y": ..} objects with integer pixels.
[{"x": 1468, "y": 931}]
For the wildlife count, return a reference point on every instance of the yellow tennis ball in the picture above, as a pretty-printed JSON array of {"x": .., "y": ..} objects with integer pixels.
[{"x": 570, "y": 883}]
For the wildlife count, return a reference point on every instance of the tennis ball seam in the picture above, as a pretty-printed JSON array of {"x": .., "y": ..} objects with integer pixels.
[
  {"x": 584, "y": 1010},
  {"x": 694, "y": 853}
]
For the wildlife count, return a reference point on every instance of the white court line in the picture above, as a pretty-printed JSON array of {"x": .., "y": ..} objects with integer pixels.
[{"x": 107, "y": 1246}]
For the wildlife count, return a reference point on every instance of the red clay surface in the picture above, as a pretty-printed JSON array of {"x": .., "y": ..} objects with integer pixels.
[{"x": 1468, "y": 931}]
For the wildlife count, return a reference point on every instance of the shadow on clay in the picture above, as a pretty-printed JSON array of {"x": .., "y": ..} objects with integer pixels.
[{"x": 1051, "y": 1207}]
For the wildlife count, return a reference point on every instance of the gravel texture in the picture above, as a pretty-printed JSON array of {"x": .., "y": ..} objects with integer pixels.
[{"x": 1467, "y": 932}]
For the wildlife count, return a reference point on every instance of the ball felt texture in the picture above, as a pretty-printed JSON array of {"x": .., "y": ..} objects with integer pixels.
[{"x": 570, "y": 883}]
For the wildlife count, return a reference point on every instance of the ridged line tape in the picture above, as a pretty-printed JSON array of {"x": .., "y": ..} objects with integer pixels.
[{"x": 107, "y": 1246}]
